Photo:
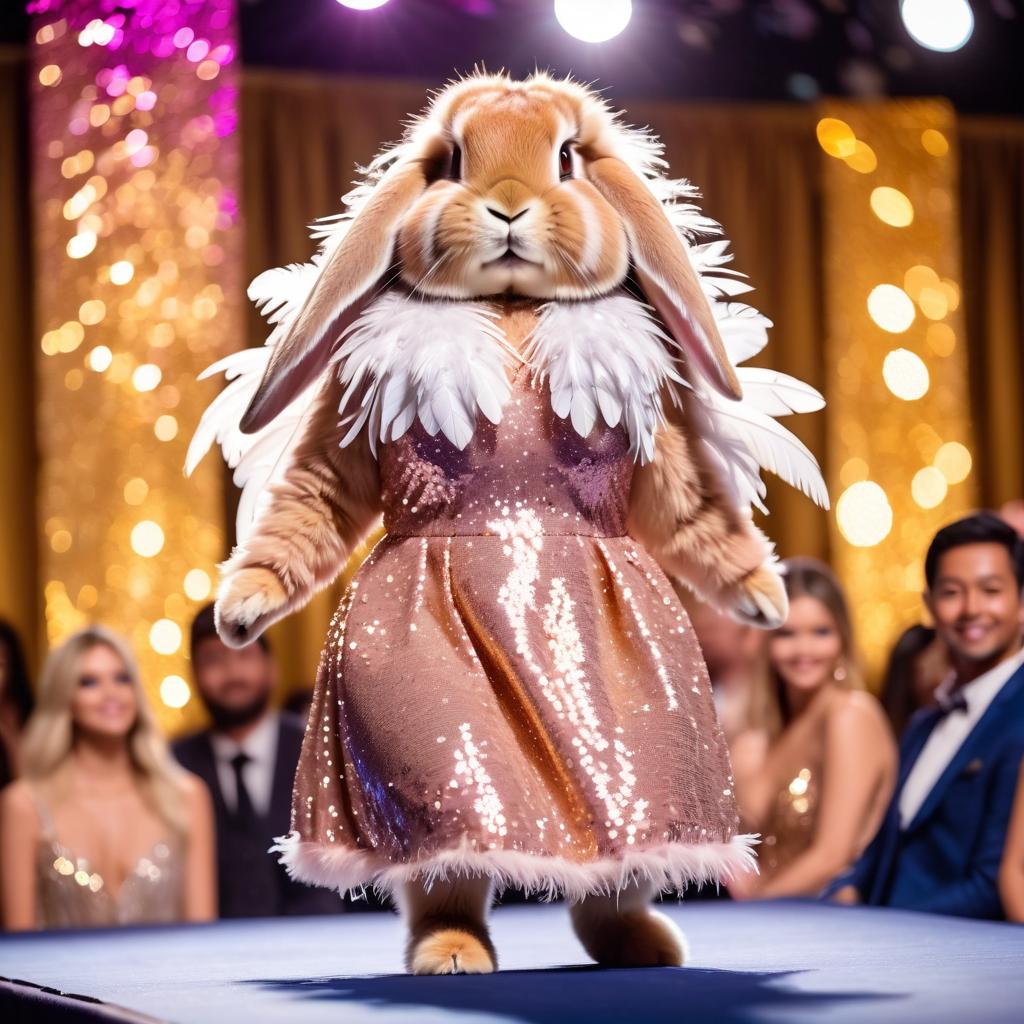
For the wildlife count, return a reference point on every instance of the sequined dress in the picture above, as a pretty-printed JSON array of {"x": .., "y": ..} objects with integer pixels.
[
  {"x": 510, "y": 685},
  {"x": 70, "y": 894},
  {"x": 789, "y": 828}
]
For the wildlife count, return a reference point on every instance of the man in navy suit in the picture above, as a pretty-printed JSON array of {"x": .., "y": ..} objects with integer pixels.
[{"x": 940, "y": 844}]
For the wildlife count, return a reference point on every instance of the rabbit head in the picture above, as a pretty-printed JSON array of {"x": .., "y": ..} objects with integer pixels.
[{"x": 531, "y": 188}]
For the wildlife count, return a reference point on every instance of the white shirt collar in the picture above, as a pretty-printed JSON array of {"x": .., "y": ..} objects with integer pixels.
[
  {"x": 981, "y": 691},
  {"x": 260, "y": 744}
]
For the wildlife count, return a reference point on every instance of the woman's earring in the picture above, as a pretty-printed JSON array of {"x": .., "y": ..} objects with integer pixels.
[{"x": 839, "y": 674}]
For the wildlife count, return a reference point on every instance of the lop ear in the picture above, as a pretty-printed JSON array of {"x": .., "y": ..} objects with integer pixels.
[
  {"x": 665, "y": 273},
  {"x": 344, "y": 287}
]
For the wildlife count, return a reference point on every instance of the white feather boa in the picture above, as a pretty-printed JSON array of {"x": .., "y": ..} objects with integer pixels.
[{"x": 443, "y": 362}]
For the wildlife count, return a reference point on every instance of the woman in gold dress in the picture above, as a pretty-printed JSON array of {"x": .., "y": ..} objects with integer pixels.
[
  {"x": 104, "y": 828},
  {"x": 816, "y": 765}
]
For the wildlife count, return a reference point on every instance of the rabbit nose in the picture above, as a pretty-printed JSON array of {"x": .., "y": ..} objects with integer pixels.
[{"x": 503, "y": 216}]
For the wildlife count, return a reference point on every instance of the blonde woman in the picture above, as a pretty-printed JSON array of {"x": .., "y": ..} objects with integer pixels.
[
  {"x": 816, "y": 765},
  {"x": 103, "y": 828}
]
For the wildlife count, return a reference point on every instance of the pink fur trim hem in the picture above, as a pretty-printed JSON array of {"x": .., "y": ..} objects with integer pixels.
[{"x": 672, "y": 865}]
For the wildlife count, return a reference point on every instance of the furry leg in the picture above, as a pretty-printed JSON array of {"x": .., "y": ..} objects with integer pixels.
[
  {"x": 447, "y": 924},
  {"x": 621, "y": 930}
]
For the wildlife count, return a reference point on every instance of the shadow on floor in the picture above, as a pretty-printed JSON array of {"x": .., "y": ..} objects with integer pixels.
[{"x": 565, "y": 995}]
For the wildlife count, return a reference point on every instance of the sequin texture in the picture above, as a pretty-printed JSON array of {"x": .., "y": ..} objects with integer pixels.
[{"x": 510, "y": 685}]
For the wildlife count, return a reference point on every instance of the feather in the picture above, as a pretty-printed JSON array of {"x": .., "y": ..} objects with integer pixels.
[
  {"x": 259, "y": 460},
  {"x": 439, "y": 361},
  {"x": 777, "y": 394},
  {"x": 731, "y": 427},
  {"x": 606, "y": 357},
  {"x": 743, "y": 329}
]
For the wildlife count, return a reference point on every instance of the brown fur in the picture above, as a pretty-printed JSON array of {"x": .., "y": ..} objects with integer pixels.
[
  {"x": 328, "y": 501},
  {"x": 682, "y": 514},
  {"x": 576, "y": 237},
  {"x": 447, "y": 927},
  {"x": 621, "y": 930}
]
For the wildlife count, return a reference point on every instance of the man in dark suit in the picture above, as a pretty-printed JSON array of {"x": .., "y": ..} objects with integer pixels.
[
  {"x": 247, "y": 759},
  {"x": 940, "y": 844}
]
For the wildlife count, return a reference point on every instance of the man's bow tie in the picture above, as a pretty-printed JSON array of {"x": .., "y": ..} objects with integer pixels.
[{"x": 955, "y": 701}]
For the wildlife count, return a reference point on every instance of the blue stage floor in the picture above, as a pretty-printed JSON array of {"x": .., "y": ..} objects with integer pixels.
[{"x": 751, "y": 963}]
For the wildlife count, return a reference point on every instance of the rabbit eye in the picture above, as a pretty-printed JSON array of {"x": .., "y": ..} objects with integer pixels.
[
  {"x": 564, "y": 163},
  {"x": 455, "y": 169}
]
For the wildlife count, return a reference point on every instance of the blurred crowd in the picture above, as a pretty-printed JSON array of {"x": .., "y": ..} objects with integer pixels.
[{"x": 913, "y": 799}]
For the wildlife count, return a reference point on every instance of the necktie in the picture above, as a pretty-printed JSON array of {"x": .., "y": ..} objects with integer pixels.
[{"x": 245, "y": 813}]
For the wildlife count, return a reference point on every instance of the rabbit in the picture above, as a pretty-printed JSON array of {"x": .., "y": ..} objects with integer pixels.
[{"x": 509, "y": 346}]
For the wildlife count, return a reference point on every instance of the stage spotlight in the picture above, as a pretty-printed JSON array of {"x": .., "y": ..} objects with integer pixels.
[
  {"x": 943, "y": 25},
  {"x": 593, "y": 22},
  {"x": 362, "y": 5}
]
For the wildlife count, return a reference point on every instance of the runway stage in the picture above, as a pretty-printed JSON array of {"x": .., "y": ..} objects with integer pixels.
[{"x": 751, "y": 963}]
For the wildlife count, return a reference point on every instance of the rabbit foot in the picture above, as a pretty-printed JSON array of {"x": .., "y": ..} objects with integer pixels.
[
  {"x": 760, "y": 598},
  {"x": 451, "y": 950},
  {"x": 248, "y": 600},
  {"x": 636, "y": 938}
]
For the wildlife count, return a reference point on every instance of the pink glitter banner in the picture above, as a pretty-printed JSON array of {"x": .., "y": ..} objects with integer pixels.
[{"x": 138, "y": 254}]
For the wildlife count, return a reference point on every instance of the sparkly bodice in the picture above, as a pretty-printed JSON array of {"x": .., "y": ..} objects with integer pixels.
[
  {"x": 790, "y": 827},
  {"x": 532, "y": 462},
  {"x": 70, "y": 894}
]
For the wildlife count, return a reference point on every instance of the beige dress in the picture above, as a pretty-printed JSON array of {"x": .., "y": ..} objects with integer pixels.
[
  {"x": 510, "y": 686},
  {"x": 69, "y": 894}
]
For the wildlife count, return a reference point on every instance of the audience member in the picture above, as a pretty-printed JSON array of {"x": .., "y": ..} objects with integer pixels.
[
  {"x": 816, "y": 765},
  {"x": 1012, "y": 512},
  {"x": 940, "y": 845},
  {"x": 1011, "y": 873},
  {"x": 917, "y": 665},
  {"x": 247, "y": 760},
  {"x": 731, "y": 650},
  {"x": 15, "y": 702},
  {"x": 104, "y": 827}
]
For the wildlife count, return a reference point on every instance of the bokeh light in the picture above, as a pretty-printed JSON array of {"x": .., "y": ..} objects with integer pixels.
[
  {"x": 174, "y": 691},
  {"x": 146, "y": 377},
  {"x": 953, "y": 461},
  {"x": 165, "y": 636},
  {"x": 121, "y": 272},
  {"x": 147, "y": 538},
  {"x": 891, "y": 308},
  {"x": 928, "y": 487},
  {"x": 166, "y": 428},
  {"x": 836, "y": 138},
  {"x": 943, "y": 25},
  {"x": 905, "y": 374},
  {"x": 197, "y": 585},
  {"x": 593, "y": 22},
  {"x": 934, "y": 142},
  {"x": 136, "y": 491},
  {"x": 864, "y": 514},
  {"x": 891, "y": 206}
]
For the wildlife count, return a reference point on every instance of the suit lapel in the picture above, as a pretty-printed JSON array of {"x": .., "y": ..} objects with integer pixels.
[
  {"x": 973, "y": 746},
  {"x": 206, "y": 768}
]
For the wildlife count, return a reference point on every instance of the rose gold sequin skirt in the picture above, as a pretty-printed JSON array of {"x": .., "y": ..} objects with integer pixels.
[{"x": 528, "y": 706}]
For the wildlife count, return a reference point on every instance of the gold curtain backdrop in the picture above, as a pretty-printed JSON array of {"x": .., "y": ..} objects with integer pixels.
[{"x": 761, "y": 171}]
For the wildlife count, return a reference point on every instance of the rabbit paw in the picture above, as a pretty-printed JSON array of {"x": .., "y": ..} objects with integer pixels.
[
  {"x": 760, "y": 598},
  {"x": 637, "y": 938},
  {"x": 247, "y": 602},
  {"x": 449, "y": 951}
]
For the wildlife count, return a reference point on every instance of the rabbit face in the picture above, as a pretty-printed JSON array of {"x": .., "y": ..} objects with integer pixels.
[
  {"x": 530, "y": 188},
  {"x": 508, "y": 207}
]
